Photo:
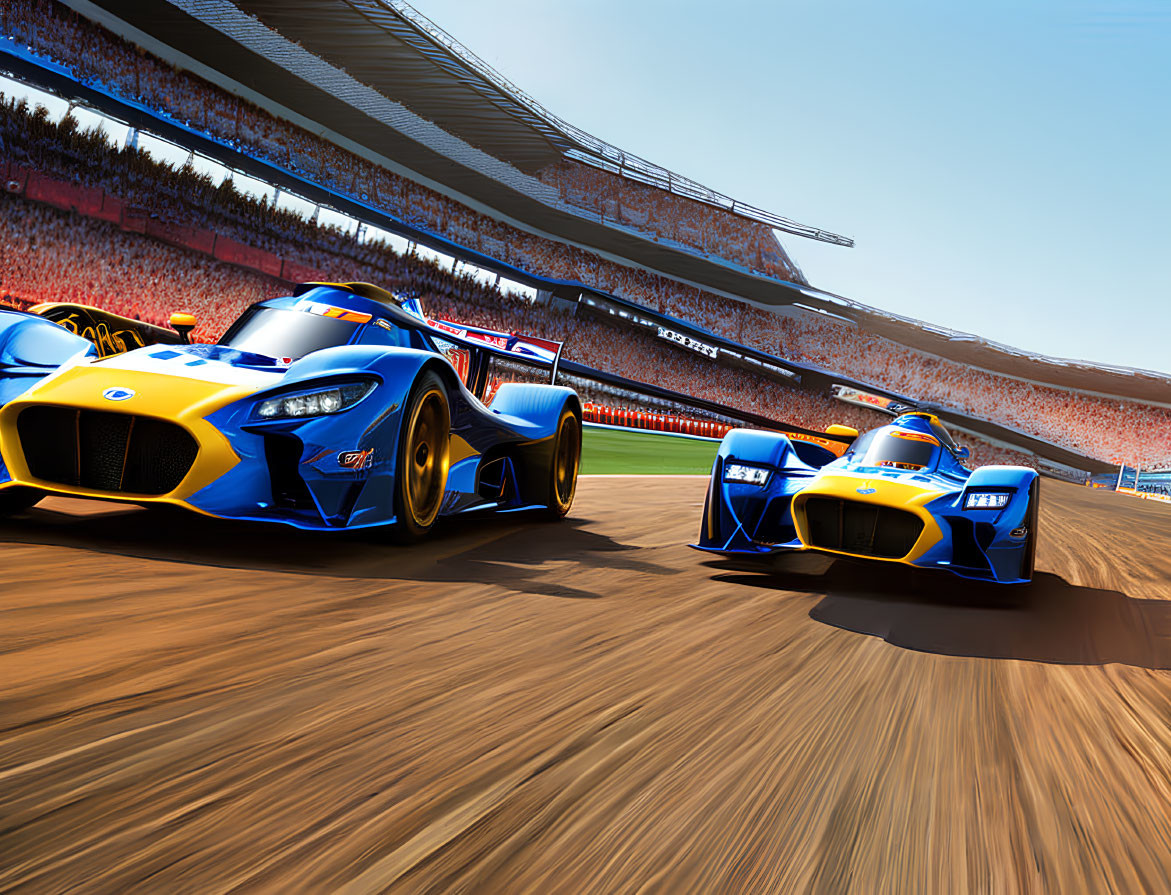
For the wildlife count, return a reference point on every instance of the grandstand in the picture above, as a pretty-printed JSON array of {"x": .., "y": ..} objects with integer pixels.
[
  {"x": 54, "y": 255},
  {"x": 460, "y": 161},
  {"x": 380, "y": 81},
  {"x": 387, "y": 84}
]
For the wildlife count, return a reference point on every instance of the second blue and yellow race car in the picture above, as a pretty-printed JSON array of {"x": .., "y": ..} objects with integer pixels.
[
  {"x": 899, "y": 493},
  {"x": 339, "y": 406}
]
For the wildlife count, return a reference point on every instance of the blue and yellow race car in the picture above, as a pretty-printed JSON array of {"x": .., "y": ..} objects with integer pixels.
[
  {"x": 899, "y": 493},
  {"x": 340, "y": 406}
]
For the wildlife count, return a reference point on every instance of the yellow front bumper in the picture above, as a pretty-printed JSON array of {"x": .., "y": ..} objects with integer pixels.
[
  {"x": 178, "y": 400},
  {"x": 882, "y": 492}
]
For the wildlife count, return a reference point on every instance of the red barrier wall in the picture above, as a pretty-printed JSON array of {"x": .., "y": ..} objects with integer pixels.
[
  {"x": 657, "y": 422},
  {"x": 89, "y": 200},
  {"x": 246, "y": 256},
  {"x": 187, "y": 237},
  {"x": 51, "y": 191},
  {"x": 111, "y": 209},
  {"x": 133, "y": 220}
]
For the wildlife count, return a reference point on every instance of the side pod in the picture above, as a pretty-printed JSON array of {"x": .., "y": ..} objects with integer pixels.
[
  {"x": 753, "y": 480},
  {"x": 534, "y": 404},
  {"x": 997, "y": 534},
  {"x": 532, "y": 411}
]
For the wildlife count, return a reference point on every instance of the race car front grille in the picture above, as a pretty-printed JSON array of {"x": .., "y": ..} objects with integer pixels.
[
  {"x": 865, "y": 529},
  {"x": 116, "y": 452}
]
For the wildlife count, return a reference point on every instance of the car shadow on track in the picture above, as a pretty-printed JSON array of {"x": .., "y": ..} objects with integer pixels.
[
  {"x": 509, "y": 550},
  {"x": 1049, "y": 620}
]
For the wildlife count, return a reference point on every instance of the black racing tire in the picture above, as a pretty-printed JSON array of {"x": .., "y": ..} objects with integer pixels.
[
  {"x": 563, "y": 465},
  {"x": 1029, "y": 559},
  {"x": 424, "y": 456},
  {"x": 18, "y": 499}
]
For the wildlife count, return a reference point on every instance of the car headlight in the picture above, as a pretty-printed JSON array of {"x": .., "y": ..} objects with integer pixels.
[
  {"x": 748, "y": 475},
  {"x": 986, "y": 500},
  {"x": 318, "y": 402}
]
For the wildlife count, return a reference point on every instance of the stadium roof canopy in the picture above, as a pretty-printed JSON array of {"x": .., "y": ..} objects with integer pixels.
[
  {"x": 433, "y": 74},
  {"x": 390, "y": 47},
  {"x": 380, "y": 45}
]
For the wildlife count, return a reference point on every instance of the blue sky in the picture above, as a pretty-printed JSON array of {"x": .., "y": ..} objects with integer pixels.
[{"x": 1002, "y": 166}]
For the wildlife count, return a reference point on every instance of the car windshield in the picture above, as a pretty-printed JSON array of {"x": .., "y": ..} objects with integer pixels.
[
  {"x": 274, "y": 332},
  {"x": 902, "y": 450}
]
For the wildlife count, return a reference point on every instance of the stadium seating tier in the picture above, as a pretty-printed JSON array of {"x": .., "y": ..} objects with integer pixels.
[{"x": 1108, "y": 429}]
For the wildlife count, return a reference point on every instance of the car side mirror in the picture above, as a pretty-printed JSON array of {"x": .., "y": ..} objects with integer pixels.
[
  {"x": 183, "y": 324},
  {"x": 962, "y": 452}
]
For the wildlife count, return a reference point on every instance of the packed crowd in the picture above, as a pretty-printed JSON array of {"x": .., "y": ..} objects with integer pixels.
[
  {"x": 1105, "y": 428},
  {"x": 1108, "y": 428},
  {"x": 97, "y": 56},
  {"x": 49, "y": 255},
  {"x": 176, "y": 195},
  {"x": 643, "y": 207},
  {"x": 161, "y": 190}
]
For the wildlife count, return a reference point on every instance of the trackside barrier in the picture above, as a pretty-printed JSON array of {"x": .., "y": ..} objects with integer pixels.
[
  {"x": 299, "y": 273},
  {"x": 664, "y": 434},
  {"x": 654, "y": 422},
  {"x": 111, "y": 210},
  {"x": 246, "y": 256},
  {"x": 1144, "y": 495},
  {"x": 604, "y": 415}
]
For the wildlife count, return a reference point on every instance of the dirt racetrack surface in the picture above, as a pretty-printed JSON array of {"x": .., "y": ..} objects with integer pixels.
[{"x": 193, "y": 706}]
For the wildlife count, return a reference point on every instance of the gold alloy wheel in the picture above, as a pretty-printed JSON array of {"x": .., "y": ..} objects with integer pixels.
[
  {"x": 426, "y": 458},
  {"x": 566, "y": 461}
]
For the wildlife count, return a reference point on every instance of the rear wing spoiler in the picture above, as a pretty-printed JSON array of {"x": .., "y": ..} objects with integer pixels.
[
  {"x": 110, "y": 333},
  {"x": 528, "y": 350}
]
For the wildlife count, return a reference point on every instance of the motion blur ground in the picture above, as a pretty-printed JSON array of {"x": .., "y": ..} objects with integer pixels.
[
  {"x": 191, "y": 704},
  {"x": 585, "y": 706}
]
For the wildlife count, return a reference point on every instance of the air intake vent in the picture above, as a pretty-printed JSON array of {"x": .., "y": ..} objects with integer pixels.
[
  {"x": 115, "y": 452},
  {"x": 864, "y": 529}
]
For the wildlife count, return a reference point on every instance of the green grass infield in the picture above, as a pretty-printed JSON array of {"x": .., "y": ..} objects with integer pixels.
[{"x": 636, "y": 452}]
